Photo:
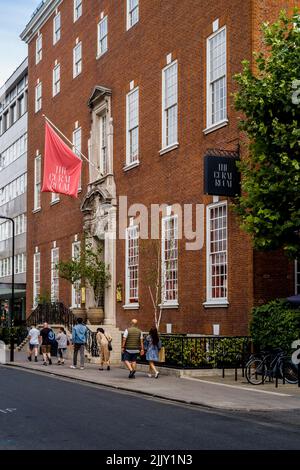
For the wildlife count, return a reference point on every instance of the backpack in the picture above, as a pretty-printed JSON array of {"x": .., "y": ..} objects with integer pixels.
[{"x": 51, "y": 337}]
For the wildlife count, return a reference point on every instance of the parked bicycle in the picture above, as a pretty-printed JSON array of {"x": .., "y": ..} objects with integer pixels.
[{"x": 269, "y": 365}]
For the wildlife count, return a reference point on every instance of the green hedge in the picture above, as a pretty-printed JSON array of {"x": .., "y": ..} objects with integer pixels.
[{"x": 275, "y": 325}]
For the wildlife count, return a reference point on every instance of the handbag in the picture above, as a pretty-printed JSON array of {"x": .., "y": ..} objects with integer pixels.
[
  {"x": 162, "y": 354},
  {"x": 109, "y": 346}
]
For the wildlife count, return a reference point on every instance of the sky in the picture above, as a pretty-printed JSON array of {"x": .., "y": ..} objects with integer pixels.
[{"x": 15, "y": 14}]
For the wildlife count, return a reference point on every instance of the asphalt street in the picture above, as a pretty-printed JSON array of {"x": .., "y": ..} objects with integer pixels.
[{"x": 43, "y": 412}]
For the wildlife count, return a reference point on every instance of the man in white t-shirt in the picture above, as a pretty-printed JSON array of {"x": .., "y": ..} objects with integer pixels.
[{"x": 34, "y": 342}]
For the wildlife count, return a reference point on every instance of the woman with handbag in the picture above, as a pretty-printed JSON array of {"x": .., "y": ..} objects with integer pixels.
[
  {"x": 152, "y": 346},
  {"x": 104, "y": 346}
]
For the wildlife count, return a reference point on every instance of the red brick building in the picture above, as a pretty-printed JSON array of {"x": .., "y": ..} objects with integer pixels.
[{"x": 144, "y": 89}]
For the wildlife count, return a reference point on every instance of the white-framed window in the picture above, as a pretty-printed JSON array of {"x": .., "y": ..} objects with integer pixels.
[
  {"x": 103, "y": 36},
  {"x": 77, "y": 9},
  {"x": 76, "y": 294},
  {"x": 20, "y": 263},
  {"x": 56, "y": 80},
  {"x": 132, "y": 265},
  {"x": 6, "y": 227},
  {"x": 132, "y": 127},
  {"x": 170, "y": 105},
  {"x": 37, "y": 182},
  {"x": 56, "y": 28},
  {"x": 132, "y": 12},
  {"x": 54, "y": 198},
  {"x": 216, "y": 253},
  {"x": 77, "y": 59},
  {"x": 14, "y": 151},
  {"x": 169, "y": 255},
  {"x": 103, "y": 144},
  {"x": 54, "y": 275},
  {"x": 13, "y": 189},
  {"x": 38, "y": 97},
  {"x": 36, "y": 277},
  {"x": 77, "y": 147},
  {"x": 297, "y": 277},
  {"x": 38, "y": 48},
  {"x": 216, "y": 78}
]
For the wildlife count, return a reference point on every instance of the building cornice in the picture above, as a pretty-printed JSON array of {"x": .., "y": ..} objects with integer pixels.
[{"x": 38, "y": 19}]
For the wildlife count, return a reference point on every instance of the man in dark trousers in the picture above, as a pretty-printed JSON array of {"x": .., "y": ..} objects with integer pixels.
[
  {"x": 79, "y": 338},
  {"x": 48, "y": 337},
  {"x": 132, "y": 345}
]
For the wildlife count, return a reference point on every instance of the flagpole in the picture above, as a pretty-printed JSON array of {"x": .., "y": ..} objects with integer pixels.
[{"x": 63, "y": 135}]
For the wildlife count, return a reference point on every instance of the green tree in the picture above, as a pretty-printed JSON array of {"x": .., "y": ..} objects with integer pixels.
[{"x": 269, "y": 97}]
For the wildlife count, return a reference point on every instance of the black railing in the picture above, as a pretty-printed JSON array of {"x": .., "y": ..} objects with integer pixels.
[
  {"x": 204, "y": 352},
  {"x": 52, "y": 313},
  {"x": 91, "y": 344}
]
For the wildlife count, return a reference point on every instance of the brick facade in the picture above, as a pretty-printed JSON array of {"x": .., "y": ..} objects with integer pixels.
[{"x": 139, "y": 55}]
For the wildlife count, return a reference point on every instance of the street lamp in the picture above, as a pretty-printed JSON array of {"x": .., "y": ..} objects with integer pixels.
[{"x": 12, "y": 342}]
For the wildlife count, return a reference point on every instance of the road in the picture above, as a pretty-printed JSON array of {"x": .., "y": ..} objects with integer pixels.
[{"x": 42, "y": 412}]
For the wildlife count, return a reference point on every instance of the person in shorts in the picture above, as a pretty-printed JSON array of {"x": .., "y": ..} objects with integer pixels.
[
  {"x": 34, "y": 342},
  {"x": 132, "y": 345},
  {"x": 46, "y": 343}
]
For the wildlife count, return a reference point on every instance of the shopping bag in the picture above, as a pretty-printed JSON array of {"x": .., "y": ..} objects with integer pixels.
[{"x": 162, "y": 355}]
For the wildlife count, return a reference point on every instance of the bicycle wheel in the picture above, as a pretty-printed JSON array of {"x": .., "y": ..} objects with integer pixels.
[
  {"x": 289, "y": 370},
  {"x": 256, "y": 371}
]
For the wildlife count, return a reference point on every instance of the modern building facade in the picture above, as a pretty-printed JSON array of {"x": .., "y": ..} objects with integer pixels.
[
  {"x": 13, "y": 186},
  {"x": 144, "y": 90}
]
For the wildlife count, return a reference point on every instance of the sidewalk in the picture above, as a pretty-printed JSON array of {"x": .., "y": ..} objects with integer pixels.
[{"x": 207, "y": 391}]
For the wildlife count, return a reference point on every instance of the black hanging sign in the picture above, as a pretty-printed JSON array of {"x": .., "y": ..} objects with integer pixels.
[{"x": 221, "y": 176}]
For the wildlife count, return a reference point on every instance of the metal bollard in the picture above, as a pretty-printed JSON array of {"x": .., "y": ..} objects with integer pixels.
[
  {"x": 235, "y": 374},
  {"x": 276, "y": 381}
]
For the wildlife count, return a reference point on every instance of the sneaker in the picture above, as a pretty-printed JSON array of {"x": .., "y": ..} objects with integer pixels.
[
  {"x": 150, "y": 376},
  {"x": 62, "y": 363},
  {"x": 131, "y": 374},
  {"x": 29, "y": 358},
  {"x": 73, "y": 367},
  {"x": 156, "y": 375},
  {"x": 50, "y": 362},
  {"x": 35, "y": 359},
  {"x": 100, "y": 368},
  {"x": 81, "y": 368},
  {"x": 108, "y": 367},
  {"x": 58, "y": 363},
  {"x": 45, "y": 363}
]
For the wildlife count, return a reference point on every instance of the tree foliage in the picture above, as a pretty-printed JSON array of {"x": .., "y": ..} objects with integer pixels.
[
  {"x": 89, "y": 266},
  {"x": 275, "y": 325},
  {"x": 269, "y": 97}
]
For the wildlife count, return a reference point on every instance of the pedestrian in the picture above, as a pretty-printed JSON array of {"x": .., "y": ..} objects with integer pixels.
[
  {"x": 132, "y": 345},
  {"x": 79, "y": 338},
  {"x": 34, "y": 342},
  {"x": 152, "y": 347},
  {"x": 62, "y": 343},
  {"x": 48, "y": 338},
  {"x": 103, "y": 341}
]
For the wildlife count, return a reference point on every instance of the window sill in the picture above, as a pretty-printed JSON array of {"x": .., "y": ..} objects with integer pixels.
[
  {"x": 131, "y": 165},
  {"x": 169, "y": 305},
  {"x": 75, "y": 76},
  {"x": 131, "y": 306},
  {"x": 98, "y": 56},
  {"x": 215, "y": 127},
  {"x": 216, "y": 304},
  {"x": 52, "y": 203},
  {"x": 169, "y": 148},
  {"x": 35, "y": 211}
]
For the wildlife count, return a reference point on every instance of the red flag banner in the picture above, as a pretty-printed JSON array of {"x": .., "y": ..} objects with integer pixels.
[{"x": 62, "y": 167}]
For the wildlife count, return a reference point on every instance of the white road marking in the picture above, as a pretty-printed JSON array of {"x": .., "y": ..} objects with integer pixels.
[
  {"x": 8, "y": 410},
  {"x": 238, "y": 387}
]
